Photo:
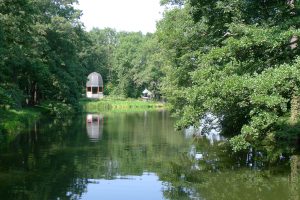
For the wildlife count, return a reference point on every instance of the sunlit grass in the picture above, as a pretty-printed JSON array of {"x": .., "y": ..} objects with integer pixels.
[
  {"x": 120, "y": 104},
  {"x": 12, "y": 121}
]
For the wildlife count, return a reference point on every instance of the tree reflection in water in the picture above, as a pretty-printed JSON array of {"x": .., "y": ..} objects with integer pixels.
[
  {"x": 57, "y": 160},
  {"x": 294, "y": 178},
  {"x": 212, "y": 171}
]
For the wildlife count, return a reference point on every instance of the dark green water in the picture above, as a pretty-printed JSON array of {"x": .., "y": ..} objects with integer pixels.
[{"x": 134, "y": 156}]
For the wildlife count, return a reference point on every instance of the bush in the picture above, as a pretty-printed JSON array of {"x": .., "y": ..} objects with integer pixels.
[
  {"x": 58, "y": 109},
  {"x": 11, "y": 96}
]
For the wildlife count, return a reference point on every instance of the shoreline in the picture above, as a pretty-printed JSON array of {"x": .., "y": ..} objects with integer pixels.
[
  {"x": 109, "y": 104},
  {"x": 13, "y": 121}
]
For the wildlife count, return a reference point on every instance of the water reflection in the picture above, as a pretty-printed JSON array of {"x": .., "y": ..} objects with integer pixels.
[
  {"x": 94, "y": 126},
  {"x": 210, "y": 128},
  {"x": 55, "y": 159},
  {"x": 125, "y": 187},
  {"x": 137, "y": 156},
  {"x": 294, "y": 178},
  {"x": 212, "y": 172}
]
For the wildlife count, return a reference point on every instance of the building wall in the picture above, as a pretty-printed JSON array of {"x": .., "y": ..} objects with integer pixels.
[{"x": 94, "y": 96}]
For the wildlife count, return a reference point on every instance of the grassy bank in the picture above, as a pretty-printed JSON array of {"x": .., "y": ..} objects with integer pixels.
[
  {"x": 13, "y": 121},
  {"x": 119, "y": 104}
]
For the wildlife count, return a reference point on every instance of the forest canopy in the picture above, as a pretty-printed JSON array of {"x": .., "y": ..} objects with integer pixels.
[{"x": 237, "y": 60}]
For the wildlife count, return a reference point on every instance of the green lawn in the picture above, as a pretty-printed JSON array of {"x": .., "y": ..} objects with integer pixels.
[{"x": 119, "y": 104}]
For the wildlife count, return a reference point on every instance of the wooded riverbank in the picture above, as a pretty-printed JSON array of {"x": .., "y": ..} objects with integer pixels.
[{"x": 238, "y": 61}]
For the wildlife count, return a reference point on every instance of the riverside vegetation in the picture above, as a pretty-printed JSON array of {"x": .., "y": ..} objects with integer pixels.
[
  {"x": 237, "y": 60},
  {"x": 113, "y": 104}
]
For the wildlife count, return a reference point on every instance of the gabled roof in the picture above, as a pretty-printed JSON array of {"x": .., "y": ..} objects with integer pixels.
[
  {"x": 145, "y": 91},
  {"x": 94, "y": 80}
]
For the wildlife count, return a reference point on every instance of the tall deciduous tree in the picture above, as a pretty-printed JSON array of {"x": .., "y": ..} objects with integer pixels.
[
  {"x": 40, "y": 44},
  {"x": 244, "y": 69}
]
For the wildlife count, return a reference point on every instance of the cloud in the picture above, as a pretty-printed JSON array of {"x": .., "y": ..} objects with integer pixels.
[{"x": 129, "y": 15}]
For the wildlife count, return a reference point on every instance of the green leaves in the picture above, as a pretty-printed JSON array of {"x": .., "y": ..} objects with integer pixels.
[
  {"x": 130, "y": 62},
  {"x": 41, "y": 40},
  {"x": 242, "y": 67}
]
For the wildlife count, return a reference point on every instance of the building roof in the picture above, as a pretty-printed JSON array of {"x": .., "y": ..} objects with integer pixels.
[
  {"x": 145, "y": 91},
  {"x": 94, "y": 80}
]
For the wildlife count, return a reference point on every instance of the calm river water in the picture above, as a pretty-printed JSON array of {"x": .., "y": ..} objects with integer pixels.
[{"x": 135, "y": 156}]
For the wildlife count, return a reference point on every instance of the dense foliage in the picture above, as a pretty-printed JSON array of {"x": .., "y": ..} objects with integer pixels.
[
  {"x": 131, "y": 61},
  {"x": 46, "y": 56},
  {"x": 234, "y": 59},
  {"x": 40, "y": 45}
]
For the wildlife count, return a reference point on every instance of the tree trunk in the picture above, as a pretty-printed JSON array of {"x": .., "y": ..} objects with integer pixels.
[
  {"x": 295, "y": 109},
  {"x": 294, "y": 42},
  {"x": 33, "y": 94},
  {"x": 295, "y": 101},
  {"x": 291, "y": 3}
]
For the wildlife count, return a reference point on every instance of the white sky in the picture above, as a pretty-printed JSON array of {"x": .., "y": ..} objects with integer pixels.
[{"x": 122, "y": 15}]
